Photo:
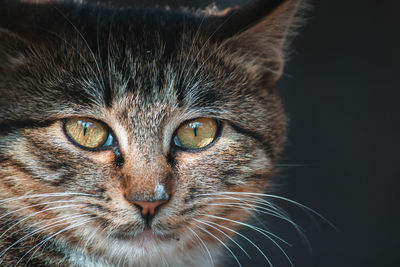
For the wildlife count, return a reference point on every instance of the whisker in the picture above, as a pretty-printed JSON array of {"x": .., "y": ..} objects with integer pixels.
[
  {"x": 220, "y": 241},
  {"x": 94, "y": 232},
  {"x": 260, "y": 202},
  {"x": 35, "y": 205},
  {"x": 204, "y": 245},
  {"x": 57, "y": 194},
  {"x": 265, "y": 206},
  {"x": 48, "y": 221},
  {"x": 261, "y": 231},
  {"x": 50, "y": 237},
  {"x": 35, "y": 213},
  {"x": 246, "y": 238},
  {"x": 264, "y": 232},
  {"x": 230, "y": 238},
  {"x": 257, "y": 201},
  {"x": 40, "y": 229},
  {"x": 256, "y": 208},
  {"x": 292, "y": 165},
  {"x": 304, "y": 207},
  {"x": 196, "y": 242}
]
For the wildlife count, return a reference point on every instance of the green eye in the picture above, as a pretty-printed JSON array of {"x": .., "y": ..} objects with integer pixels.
[
  {"x": 197, "y": 133},
  {"x": 88, "y": 133}
]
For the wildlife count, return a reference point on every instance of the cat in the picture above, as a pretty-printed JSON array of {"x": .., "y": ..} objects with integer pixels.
[{"x": 136, "y": 136}]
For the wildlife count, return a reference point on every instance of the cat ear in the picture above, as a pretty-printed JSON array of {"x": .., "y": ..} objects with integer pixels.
[
  {"x": 11, "y": 45},
  {"x": 256, "y": 34}
]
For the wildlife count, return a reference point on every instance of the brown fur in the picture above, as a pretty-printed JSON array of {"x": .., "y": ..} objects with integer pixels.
[{"x": 142, "y": 79}]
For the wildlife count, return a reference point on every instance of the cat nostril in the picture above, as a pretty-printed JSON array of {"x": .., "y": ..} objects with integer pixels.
[{"x": 148, "y": 208}]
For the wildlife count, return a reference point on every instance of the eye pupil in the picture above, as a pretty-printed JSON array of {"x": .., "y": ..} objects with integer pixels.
[
  {"x": 195, "y": 130},
  {"x": 84, "y": 129}
]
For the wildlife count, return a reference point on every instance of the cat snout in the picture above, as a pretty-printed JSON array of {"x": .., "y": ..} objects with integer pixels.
[{"x": 149, "y": 204}]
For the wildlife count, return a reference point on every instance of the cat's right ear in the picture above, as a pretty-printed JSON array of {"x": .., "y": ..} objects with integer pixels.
[
  {"x": 11, "y": 48},
  {"x": 256, "y": 34}
]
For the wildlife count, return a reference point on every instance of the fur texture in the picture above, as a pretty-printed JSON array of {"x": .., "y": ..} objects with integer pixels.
[{"x": 143, "y": 72}]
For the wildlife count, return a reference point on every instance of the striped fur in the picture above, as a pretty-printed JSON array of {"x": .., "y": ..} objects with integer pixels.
[{"x": 142, "y": 72}]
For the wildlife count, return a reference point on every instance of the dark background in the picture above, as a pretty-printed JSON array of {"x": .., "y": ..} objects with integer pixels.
[{"x": 342, "y": 92}]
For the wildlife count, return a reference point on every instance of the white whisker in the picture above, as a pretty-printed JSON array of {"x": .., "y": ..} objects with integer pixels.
[
  {"x": 204, "y": 245},
  {"x": 304, "y": 207},
  {"x": 35, "y": 205},
  {"x": 257, "y": 208},
  {"x": 57, "y": 194},
  {"x": 38, "y": 212},
  {"x": 50, "y": 237},
  {"x": 261, "y": 231},
  {"x": 230, "y": 238},
  {"x": 246, "y": 238},
  {"x": 38, "y": 230},
  {"x": 220, "y": 241}
]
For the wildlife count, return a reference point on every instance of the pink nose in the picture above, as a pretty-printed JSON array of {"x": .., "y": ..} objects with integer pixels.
[{"x": 148, "y": 208}]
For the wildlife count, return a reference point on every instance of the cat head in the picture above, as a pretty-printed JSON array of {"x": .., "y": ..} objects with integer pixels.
[{"x": 129, "y": 131}]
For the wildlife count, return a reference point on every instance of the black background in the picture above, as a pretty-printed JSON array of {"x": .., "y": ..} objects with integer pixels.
[
  {"x": 341, "y": 90},
  {"x": 343, "y": 99},
  {"x": 342, "y": 93}
]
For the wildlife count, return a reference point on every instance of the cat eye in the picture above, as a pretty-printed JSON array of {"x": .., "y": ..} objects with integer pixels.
[
  {"x": 88, "y": 133},
  {"x": 197, "y": 133}
]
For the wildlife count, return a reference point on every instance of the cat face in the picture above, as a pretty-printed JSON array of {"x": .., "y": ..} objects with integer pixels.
[{"x": 140, "y": 77}]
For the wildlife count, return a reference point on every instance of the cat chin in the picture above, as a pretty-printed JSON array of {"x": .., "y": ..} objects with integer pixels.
[
  {"x": 192, "y": 258},
  {"x": 146, "y": 249}
]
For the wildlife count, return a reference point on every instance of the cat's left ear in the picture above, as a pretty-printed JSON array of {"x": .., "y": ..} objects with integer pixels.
[{"x": 256, "y": 34}]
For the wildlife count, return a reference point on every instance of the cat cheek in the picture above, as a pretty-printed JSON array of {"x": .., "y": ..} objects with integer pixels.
[
  {"x": 194, "y": 158},
  {"x": 103, "y": 157},
  {"x": 260, "y": 162},
  {"x": 184, "y": 158}
]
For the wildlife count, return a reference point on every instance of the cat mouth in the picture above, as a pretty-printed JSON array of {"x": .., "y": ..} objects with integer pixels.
[{"x": 145, "y": 236}]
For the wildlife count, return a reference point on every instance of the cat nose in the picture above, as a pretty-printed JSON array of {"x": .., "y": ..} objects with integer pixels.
[
  {"x": 148, "y": 208},
  {"x": 148, "y": 202}
]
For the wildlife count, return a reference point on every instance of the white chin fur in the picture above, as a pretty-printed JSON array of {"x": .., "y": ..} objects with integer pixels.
[{"x": 151, "y": 254}]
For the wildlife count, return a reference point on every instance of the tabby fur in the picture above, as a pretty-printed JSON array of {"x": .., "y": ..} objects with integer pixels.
[{"x": 143, "y": 72}]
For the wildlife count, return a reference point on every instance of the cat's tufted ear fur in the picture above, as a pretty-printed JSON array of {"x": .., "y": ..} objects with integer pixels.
[
  {"x": 11, "y": 46},
  {"x": 257, "y": 34}
]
